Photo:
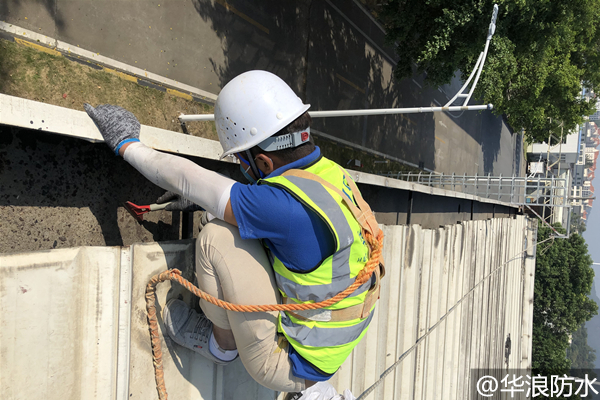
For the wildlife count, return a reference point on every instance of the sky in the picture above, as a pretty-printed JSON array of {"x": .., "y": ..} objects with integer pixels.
[
  {"x": 592, "y": 238},
  {"x": 592, "y": 234}
]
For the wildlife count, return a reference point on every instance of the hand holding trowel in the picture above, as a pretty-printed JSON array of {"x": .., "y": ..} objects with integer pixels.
[{"x": 169, "y": 201}]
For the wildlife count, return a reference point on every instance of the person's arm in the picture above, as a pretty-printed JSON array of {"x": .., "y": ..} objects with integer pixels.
[
  {"x": 121, "y": 129},
  {"x": 206, "y": 188}
]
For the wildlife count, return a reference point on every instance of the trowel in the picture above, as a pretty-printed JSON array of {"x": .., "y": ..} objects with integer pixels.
[{"x": 138, "y": 211}]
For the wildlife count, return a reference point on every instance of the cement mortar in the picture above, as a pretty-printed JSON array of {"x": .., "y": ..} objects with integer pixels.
[{"x": 58, "y": 192}]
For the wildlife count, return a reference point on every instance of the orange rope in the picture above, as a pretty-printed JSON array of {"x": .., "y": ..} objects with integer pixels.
[{"x": 175, "y": 275}]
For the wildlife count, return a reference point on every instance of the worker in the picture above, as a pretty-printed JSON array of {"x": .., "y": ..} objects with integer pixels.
[{"x": 281, "y": 239}]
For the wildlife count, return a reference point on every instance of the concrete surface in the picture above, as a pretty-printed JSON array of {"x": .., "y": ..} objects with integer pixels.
[
  {"x": 59, "y": 319},
  {"x": 449, "y": 299},
  {"x": 72, "y": 333},
  {"x": 330, "y": 52},
  {"x": 60, "y": 192},
  {"x": 57, "y": 191},
  {"x": 29, "y": 114}
]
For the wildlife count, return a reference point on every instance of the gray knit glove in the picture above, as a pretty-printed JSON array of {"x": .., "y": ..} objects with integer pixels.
[
  {"x": 179, "y": 203},
  {"x": 116, "y": 125}
]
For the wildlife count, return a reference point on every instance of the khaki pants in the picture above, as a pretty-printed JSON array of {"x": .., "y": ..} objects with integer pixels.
[{"x": 239, "y": 272}]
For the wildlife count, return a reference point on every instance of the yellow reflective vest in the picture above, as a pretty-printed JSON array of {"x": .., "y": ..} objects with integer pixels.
[{"x": 324, "y": 341}]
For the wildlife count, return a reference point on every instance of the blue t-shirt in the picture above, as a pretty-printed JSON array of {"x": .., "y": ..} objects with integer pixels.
[{"x": 289, "y": 229}]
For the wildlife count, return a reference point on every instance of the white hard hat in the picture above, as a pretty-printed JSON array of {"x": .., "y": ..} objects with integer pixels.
[{"x": 252, "y": 107}]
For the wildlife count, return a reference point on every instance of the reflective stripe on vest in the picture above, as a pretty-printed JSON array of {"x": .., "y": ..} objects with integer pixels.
[
  {"x": 324, "y": 344},
  {"x": 341, "y": 259},
  {"x": 323, "y": 337}
]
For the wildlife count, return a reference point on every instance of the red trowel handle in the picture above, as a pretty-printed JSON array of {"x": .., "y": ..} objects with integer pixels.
[{"x": 138, "y": 211}]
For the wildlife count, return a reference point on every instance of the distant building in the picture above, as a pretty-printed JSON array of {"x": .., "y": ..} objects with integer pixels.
[
  {"x": 590, "y": 154},
  {"x": 592, "y": 135},
  {"x": 595, "y": 116},
  {"x": 574, "y": 159},
  {"x": 567, "y": 152}
]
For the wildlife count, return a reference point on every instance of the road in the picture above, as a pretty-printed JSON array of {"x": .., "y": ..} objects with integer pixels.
[{"x": 331, "y": 52}]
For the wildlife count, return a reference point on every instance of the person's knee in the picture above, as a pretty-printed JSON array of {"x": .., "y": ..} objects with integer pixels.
[
  {"x": 216, "y": 237},
  {"x": 270, "y": 379},
  {"x": 272, "y": 369},
  {"x": 216, "y": 232}
]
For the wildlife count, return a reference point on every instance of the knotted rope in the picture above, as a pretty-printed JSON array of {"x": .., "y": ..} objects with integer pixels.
[{"x": 363, "y": 276}]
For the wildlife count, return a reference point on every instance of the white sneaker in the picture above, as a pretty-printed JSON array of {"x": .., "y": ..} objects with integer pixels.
[{"x": 189, "y": 329}]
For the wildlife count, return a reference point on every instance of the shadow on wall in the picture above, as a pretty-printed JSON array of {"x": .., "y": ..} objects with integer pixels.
[
  {"x": 328, "y": 63},
  {"x": 8, "y": 7}
]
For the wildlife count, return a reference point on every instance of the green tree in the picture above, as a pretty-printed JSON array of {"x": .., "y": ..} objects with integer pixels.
[
  {"x": 579, "y": 353},
  {"x": 577, "y": 224},
  {"x": 541, "y": 54},
  {"x": 563, "y": 280},
  {"x": 581, "y": 356}
]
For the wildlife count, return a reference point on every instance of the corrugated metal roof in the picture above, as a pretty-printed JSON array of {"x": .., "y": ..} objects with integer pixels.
[{"x": 74, "y": 320}]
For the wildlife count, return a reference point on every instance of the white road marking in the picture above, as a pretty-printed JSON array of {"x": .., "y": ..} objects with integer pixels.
[{"x": 417, "y": 83}]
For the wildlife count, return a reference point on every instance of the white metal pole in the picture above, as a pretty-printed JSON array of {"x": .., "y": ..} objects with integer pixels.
[
  {"x": 391, "y": 111},
  {"x": 460, "y": 92},
  {"x": 479, "y": 64},
  {"x": 491, "y": 31},
  {"x": 355, "y": 113}
]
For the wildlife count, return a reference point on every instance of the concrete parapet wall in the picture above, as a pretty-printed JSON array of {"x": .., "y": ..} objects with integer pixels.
[
  {"x": 74, "y": 320},
  {"x": 449, "y": 300}
]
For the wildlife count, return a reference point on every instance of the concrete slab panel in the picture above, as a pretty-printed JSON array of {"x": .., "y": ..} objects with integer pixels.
[
  {"x": 435, "y": 312},
  {"x": 58, "y": 312},
  {"x": 397, "y": 246},
  {"x": 485, "y": 292},
  {"x": 430, "y": 276},
  {"x": 466, "y": 311},
  {"x": 424, "y": 304},
  {"x": 388, "y": 304},
  {"x": 409, "y": 312},
  {"x": 187, "y": 375},
  {"x": 529, "y": 281}
]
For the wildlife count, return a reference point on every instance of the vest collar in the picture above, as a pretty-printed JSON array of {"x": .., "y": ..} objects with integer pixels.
[{"x": 302, "y": 163}]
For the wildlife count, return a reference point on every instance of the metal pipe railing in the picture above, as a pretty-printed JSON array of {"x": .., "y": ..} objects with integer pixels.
[{"x": 515, "y": 190}]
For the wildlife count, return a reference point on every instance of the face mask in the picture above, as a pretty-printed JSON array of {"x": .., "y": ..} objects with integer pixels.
[
  {"x": 247, "y": 175},
  {"x": 245, "y": 171}
]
